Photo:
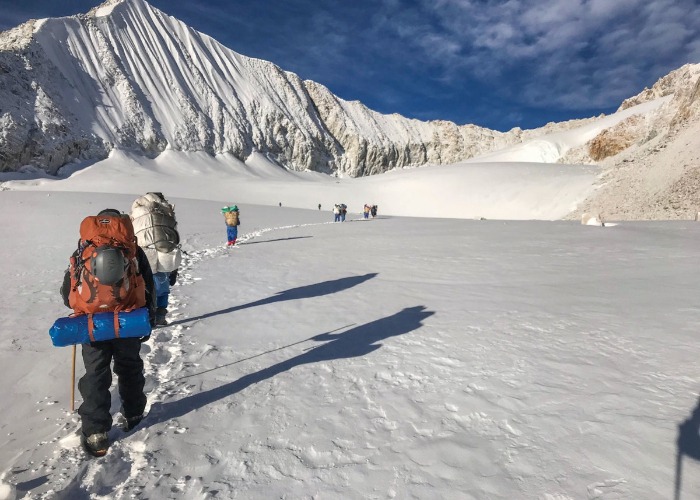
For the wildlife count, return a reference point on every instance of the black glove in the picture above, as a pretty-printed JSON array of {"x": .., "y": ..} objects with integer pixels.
[
  {"x": 144, "y": 339},
  {"x": 173, "y": 277}
]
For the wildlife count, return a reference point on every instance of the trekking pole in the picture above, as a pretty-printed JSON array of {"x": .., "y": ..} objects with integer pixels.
[{"x": 72, "y": 383}]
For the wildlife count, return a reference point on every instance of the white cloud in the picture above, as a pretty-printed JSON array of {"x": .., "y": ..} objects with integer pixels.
[{"x": 530, "y": 42}]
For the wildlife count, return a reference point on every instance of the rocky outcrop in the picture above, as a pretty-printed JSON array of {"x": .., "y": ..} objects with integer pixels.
[
  {"x": 372, "y": 143},
  {"x": 681, "y": 86},
  {"x": 615, "y": 139},
  {"x": 37, "y": 126},
  {"x": 681, "y": 78}
]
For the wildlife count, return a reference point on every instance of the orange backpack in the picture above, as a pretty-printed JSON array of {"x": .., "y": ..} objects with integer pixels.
[{"x": 107, "y": 247}]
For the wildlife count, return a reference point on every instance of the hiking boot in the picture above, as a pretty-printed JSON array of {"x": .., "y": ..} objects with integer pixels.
[
  {"x": 160, "y": 316},
  {"x": 128, "y": 424},
  {"x": 95, "y": 444}
]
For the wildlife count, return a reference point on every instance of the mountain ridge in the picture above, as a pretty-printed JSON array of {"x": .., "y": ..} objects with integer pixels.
[{"x": 128, "y": 76}]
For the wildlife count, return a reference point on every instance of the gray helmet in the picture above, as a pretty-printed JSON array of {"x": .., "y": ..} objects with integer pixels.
[
  {"x": 110, "y": 212},
  {"x": 108, "y": 265}
]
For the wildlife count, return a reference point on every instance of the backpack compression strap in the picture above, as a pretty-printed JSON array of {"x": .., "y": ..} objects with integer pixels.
[{"x": 91, "y": 326}]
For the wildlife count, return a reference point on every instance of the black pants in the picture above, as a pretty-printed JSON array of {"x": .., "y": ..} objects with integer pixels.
[{"x": 94, "y": 385}]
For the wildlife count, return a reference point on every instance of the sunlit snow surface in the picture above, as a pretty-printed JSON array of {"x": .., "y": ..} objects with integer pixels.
[{"x": 397, "y": 357}]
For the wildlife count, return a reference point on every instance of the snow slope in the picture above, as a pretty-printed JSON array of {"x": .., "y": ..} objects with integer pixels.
[
  {"x": 550, "y": 148},
  {"x": 542, "y": 191},
  {"x": 390, "y": 358}
]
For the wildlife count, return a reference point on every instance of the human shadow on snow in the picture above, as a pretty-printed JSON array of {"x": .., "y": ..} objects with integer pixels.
[
  {"x": 220, "y": 367},
  {"x": 257, "y": 242},
  {"x": 358, "y": 341},
  {"x": 302, "y": 292},
  {"x": 687, "y": 444}
]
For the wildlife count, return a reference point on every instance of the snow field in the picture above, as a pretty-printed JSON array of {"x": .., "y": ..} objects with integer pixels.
[{"x": 390, "y": 358}]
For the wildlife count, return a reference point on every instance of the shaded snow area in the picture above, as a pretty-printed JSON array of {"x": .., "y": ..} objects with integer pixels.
[{"x": 390, "y": 358}]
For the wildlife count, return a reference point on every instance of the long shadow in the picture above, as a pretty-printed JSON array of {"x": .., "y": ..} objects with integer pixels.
[
  {"x": 248, "y": 358},
  {"x": 687, "y": 444},
  {"x": 26, "y": 486},
  {"x": 278, "y": 239},
  {"x": 356, "y": 342},
  {"x": 302, "y": 292}
]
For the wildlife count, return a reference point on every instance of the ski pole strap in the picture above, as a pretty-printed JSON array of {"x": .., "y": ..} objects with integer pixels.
[
  {"x": 116, "y": 325},
  {"x": 91, "y": 327}
]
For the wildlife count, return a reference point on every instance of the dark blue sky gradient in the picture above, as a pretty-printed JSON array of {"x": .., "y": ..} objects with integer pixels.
[{"x": 493, "y": 63}]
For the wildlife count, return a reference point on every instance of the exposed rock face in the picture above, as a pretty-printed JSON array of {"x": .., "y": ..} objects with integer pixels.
[
  {"x": 616, "y": 139},
  {"x": 372, "y": 143},
  {"x": 35, "y": 123},
  {"x": 681, "y": 87},
  {"x": 682, "y": 78},
  {"x": 655, "y": 179},
  {"x": 688, "y": 101}
]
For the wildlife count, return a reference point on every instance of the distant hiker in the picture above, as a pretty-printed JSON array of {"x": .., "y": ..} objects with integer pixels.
[
  {"x": 156, "y": 230},
  {"x": 365, "y": 211},
  {"x": 280, "y": 204},
  {"x": 343, "y": 211},
  {"x": 336, "y": 213},
  {"x": 319, "y": 206},
  {"x": 94, "y": 283},
  {"x": 232, "y": 218},
  {"x": 373, "y": 211}
]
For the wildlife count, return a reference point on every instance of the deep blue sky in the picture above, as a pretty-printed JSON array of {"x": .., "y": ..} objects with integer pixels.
[{"x": 493, "y": 63}]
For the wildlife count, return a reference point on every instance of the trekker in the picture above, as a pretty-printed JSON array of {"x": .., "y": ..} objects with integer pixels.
[
  {"x": 155, "y": 226},
  {"x": 233, "y": 220},
  {"x": 96, "y": 420},
  {"x": 365, "y": 211},
  {"x": 336, "y": 213},
  {"x": 373, "y": 211},
  {"x": 319, "y": 206},
  {"x": 343, "y": 212}
]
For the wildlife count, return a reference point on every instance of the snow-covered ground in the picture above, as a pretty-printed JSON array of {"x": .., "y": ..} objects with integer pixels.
[
  {"x": 499, "y": 190},
  {"x": 399, "y": 357}
]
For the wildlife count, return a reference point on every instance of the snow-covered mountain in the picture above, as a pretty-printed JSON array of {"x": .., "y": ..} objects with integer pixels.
[
  {"x": 651, "y": 161},
  {"x": 126, "y": 75}
]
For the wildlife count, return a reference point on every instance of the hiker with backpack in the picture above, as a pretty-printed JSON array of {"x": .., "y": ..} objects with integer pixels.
[
  {"x": 232, "y": 219},
  {"x": 336, "y": 213},
  {"x": 155, "y": 226},
  {"x": 109, "y": 272}
]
